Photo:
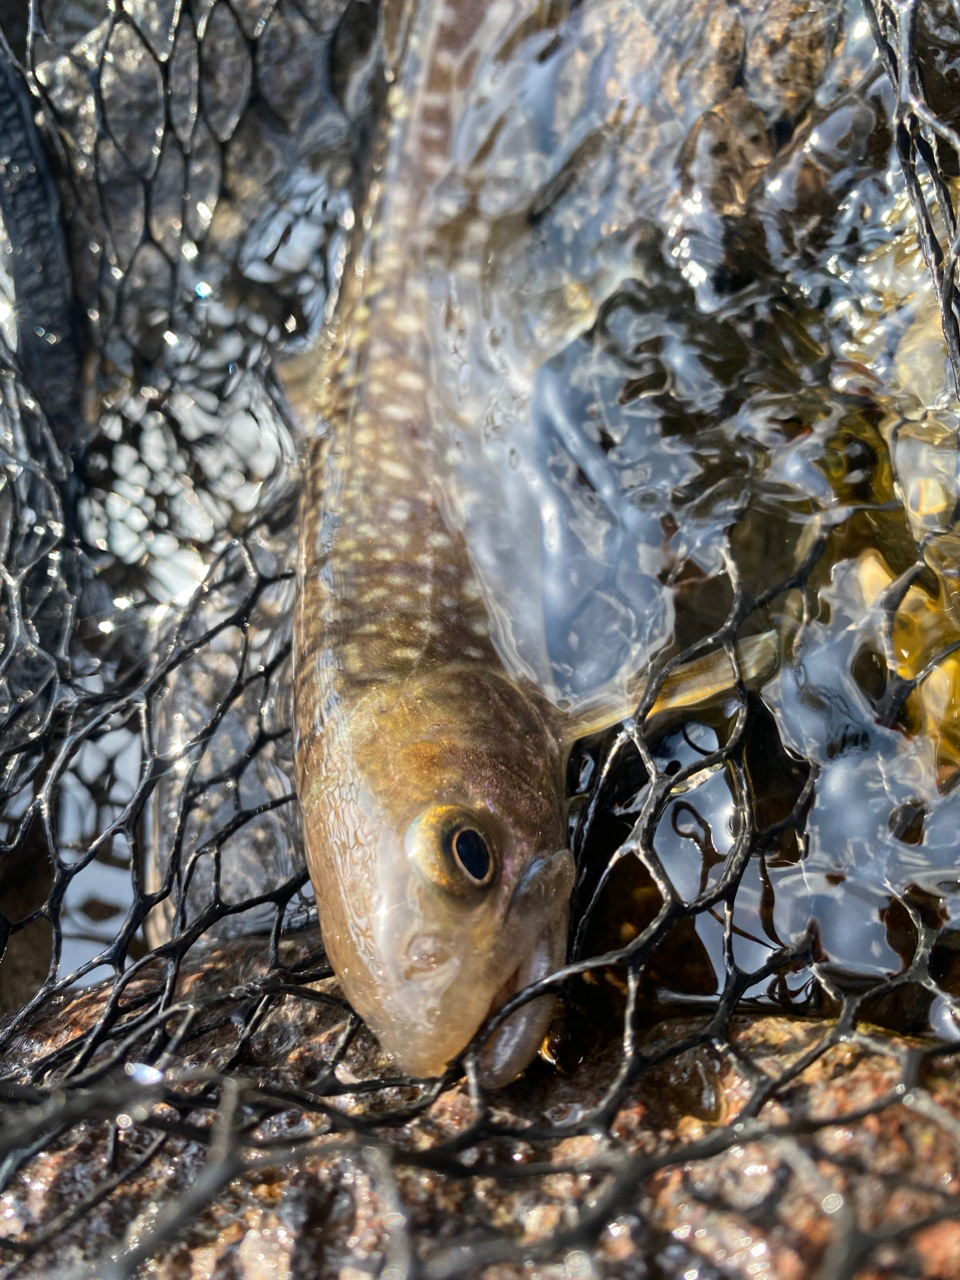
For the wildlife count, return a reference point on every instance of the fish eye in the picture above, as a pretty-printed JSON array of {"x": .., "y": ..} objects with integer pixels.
[{"x": 453, "y": 849}]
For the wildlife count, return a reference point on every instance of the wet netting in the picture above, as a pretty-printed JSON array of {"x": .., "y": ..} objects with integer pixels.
[{"x": 752, "y": 1069}]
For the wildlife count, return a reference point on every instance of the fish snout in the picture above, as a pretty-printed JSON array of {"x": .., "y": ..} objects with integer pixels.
[
  {"x": 544, "y": 888},
  {"x": 538, "y": 916},
  {"x": 449, "y": 982}
]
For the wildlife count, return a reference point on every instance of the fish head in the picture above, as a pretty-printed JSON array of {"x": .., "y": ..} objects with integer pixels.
[{"x": 436, "y": 841}]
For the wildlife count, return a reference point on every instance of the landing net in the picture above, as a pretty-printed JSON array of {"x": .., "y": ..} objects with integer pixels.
[{"x": 751, "y": 1071}]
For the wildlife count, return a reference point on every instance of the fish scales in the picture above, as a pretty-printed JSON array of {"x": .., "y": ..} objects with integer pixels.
[
  {"x": 431, "y": 781},
  {"x": 405, "y": 594},
  {"x": 431, "y": 785}
]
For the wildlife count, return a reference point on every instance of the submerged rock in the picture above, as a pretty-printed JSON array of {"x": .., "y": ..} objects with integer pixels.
[{"x": 256, "y": 1132}]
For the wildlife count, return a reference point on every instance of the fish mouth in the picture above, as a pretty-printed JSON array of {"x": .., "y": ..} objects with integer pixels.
[
  {"x": 509, "y": 1049},
  {"x": 434, "y": 1017}
]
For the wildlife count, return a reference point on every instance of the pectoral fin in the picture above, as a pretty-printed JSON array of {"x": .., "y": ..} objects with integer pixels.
[{"x": 694, "y": 686}]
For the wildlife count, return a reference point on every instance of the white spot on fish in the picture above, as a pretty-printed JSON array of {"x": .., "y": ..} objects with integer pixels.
[
  {"x": 353, "y": 657},
  {"x": 410, "y": 380},
  {"x": 433, "y": 132},
  {"x": 396, "y": 412},
  {"x": 408, "y": 323},
  {"x": 396, "y": 470},
  {"x": 433, "y": 166},
  {"x": 443, "y": 58},
  {"x": 380, "y": 352},
  {"x": 391, "y": 264}
]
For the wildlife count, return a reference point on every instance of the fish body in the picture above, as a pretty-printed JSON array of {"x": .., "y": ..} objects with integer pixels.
[
  {"x": 431, "y": 776},
  {"x": 410, "y": 734},
  {"x": 430, "y": 783}
]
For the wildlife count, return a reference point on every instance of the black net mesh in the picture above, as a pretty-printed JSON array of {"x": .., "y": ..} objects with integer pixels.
[{"x": 751, "y": 1071}]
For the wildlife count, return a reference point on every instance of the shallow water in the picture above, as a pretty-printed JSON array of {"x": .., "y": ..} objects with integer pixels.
[{"x": 683, "y": 329}]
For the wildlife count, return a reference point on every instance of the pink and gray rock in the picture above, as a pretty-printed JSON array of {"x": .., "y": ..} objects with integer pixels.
[{"x": 782, "y": 1148}]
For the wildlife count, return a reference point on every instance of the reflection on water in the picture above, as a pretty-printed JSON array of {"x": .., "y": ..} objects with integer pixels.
[{"x": 684, "y": 342}]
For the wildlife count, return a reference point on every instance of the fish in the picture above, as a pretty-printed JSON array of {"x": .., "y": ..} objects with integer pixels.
[{"x": 430, "y": 773}]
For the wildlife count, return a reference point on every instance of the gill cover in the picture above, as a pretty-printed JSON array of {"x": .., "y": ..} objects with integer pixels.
[{"x": 435, "y": 838}]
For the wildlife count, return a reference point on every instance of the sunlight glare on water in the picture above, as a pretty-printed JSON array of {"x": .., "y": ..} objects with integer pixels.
[{"x": 680, "y": 336}]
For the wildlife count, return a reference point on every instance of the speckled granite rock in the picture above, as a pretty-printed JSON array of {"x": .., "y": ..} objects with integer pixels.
[{"x": 781, "y": 1149}]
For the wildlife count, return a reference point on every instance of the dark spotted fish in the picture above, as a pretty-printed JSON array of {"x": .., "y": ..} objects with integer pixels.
[{"x": 431, "y": 779}]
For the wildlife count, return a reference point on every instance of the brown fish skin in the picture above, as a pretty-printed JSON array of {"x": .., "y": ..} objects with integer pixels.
[
  {"x": 404, "y": 712},
  {"x": 410, "y": 737},
  {"x": 431, "y": 782}
]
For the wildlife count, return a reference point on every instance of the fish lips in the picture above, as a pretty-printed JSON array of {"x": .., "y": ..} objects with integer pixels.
[
  {"x": 434, "y": 1012},
  {"x": 543, "y": 891}
]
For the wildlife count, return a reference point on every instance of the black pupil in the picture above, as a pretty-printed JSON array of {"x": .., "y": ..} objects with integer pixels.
[{"x": 472, "y": 852}]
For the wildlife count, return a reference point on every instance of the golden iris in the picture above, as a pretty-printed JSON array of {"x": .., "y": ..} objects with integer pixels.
[{"x": 453, "y": 849}]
